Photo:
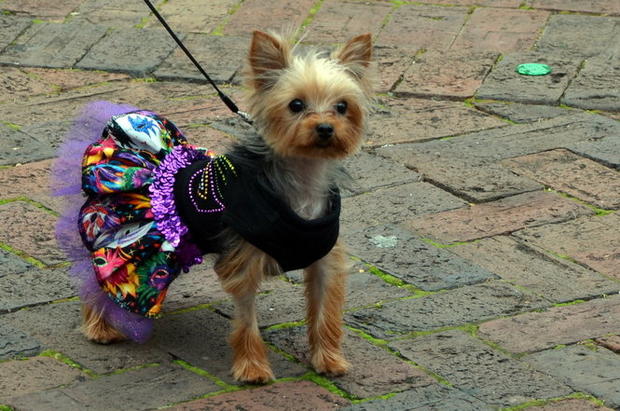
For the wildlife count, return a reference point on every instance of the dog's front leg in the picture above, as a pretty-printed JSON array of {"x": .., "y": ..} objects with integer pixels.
[
  {"x": 325, "y": 288},
  {"x": 241, "y": 273}
]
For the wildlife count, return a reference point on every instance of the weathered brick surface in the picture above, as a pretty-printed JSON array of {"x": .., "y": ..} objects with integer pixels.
[
  {"x": 192, "y": 16},
  {"x": 413, "y": 119},
  {"x": 114, "y": 13},
  {"x": 146, "y": 388},
  {"x": 432, "y": 397},
  {"x": 522, "y": 113},
  {"x": 498, "y": 217},
  {"x": 604, "y": 150},
  {"x": 35, "y": 374},
  {"x": 31, "y": 230},
  {"x": 463, "y": 305},
  {"x": 593, "y": 241},
  {"x": 566, "y": 172},
  {"x": 67, "y": 79},
  {"x": 504, "y": 83},
  {"x": 10, "y": 28},
  {"x": 474, "y": 367},
  {"x": 14, "y": 343},
  {"x": 338, "y": 20},
  {"x": 253, "y": 15},
  {"x": 590, "y": 6},
  {"x": 404, "y": 201},
  {"x": 579, "y": 35},
  {"x": 612, "y": 343},
  {"x": 501, "y": 30},
  {"x": 48, "y": 9},
  {"x": 373, "y": 370},
  {"x": 16, "y": 85},
  {"x": 429, "y": 27},
  {"x": 19, "y": 147},
  {"x": 52, "y": 45},
  {"x": 126, "y": 50},
  {"x": 400, "y": 253},
  {"x": 454, "y": 74},
  {"x": 33, "y": 287},
  {"x": 556, "y": 279},
  {"x": 590, "y": 89},
  {"x": 57, "y": 327},
  {"x": 392, "y": 63},
  {"x": 558, "y": 325},
  {"x": 298, "y": 395},
  {"x": 200, "y": 338},
  {"x": 222, "y": 57},
  {"x": 370, "y": 172},
  {"x": 570, "y": 405},
  {"x": 594, "y": 371},
  {"x": 12, "y": 264}
]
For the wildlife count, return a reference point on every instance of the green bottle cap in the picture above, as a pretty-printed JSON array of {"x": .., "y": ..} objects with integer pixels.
[{"x": 533, "y": 69}]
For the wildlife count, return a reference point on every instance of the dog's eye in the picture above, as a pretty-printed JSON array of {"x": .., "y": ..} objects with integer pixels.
[
  {"x": 296, "y": 105},
  {"x": 341, "y": 107}
]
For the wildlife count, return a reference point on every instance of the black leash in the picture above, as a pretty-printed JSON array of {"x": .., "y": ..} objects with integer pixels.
[{"x": 225, "y": 99}]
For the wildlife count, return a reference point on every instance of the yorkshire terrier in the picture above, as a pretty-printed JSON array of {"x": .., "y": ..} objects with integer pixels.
[{"x": 309, "y": 110}]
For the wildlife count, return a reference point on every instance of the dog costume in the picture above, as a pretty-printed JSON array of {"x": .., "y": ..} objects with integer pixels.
[{"x": 155, "y": 204}]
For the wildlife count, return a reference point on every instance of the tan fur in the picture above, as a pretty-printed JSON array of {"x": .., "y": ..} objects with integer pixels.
[{"x": 302, "y": 170}]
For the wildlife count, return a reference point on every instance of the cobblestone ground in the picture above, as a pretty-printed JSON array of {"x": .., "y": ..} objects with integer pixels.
[{"x": 484, "y": 228}]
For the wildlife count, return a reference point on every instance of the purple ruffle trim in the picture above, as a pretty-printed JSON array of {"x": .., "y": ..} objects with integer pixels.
[{"x": 164, "y": 207}]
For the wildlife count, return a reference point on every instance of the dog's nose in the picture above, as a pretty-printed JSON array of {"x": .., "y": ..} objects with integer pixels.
[{"x": 325, "y": 131}]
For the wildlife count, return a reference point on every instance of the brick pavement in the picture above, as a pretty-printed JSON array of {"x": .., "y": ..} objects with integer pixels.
[{"x": 483, "y": 225}]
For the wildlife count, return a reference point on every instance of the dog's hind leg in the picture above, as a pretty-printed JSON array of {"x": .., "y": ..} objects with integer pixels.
[
  {"x": 96, "y": 328},
  {"x": 325, "y": 288},
  {"x": 241, "y": 271}
]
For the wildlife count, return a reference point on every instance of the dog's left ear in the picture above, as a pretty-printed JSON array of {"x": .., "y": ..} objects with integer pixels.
[{"x": 356, "y": 54}]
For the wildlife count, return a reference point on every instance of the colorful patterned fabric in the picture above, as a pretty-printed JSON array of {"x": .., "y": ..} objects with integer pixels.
[{"x": 133, "y": 260}]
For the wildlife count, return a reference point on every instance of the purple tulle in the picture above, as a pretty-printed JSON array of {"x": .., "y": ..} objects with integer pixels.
[{"x": 67, "y": 181}]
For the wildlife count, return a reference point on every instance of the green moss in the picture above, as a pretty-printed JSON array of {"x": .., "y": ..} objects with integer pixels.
[
  {"x": 525, "y": 6},
  {"x": 310, "y": 17},
  {"x": 204, "y": 373},
  {"x": 378, "y": 397},
  {"x": 440, "y": 245},
  {"x": 6, "y": 408},
  {"x": 137, "y": 367},
  {"x": 23, "y": 255},
  {"x": 12, "y": 126},
  {"x": 66, "y": 360},
  {"x": 142, "y": 22},
  {"x": 66, "y": 300},
  {"x": 219, "y": 30},
  {"x": 289, "y": 324},
  {"x": 534, "y": 403},
  {"x": 328, "y": 385},
  {"x": 569, "y": 303},
  {"x": 597, "y": 211},
  {"x": 145, "y": 80},
  {"x": 368, "y": 337},
  {"x": 38, "y": 21},
  {"x": 397, "y": 282},
  {"x": 190, "y": 309}
]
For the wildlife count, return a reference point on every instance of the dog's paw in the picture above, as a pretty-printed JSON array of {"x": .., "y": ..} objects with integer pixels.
[
  {"x": 332, "y": 364},
  {"x": 252, "y": 372}
]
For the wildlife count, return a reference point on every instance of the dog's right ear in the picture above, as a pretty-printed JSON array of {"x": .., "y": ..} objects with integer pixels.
[{"x": 268, "y": 54}]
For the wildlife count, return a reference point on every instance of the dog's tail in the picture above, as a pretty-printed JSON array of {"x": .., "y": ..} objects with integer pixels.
[{"x": 66, "y": 182}]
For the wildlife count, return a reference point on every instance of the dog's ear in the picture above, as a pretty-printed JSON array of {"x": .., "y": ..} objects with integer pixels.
[
  {"x": 268, "y": 54},
  {"x": 356, "y": 54}
]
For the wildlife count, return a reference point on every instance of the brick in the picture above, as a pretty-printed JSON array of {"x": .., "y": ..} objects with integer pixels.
[
  {"x": 12, "y": 264},
  {"x": 31, "y": 230},
  {"x": 401, "y": 254},
  {"x": 370, "y": 172},
  {"x": 467, "y": 304},
  {"x": 35, "y": 374},
  {"x": 138, "y": 52},
  {"x": 57, "y": 327},
  {"x": 522, "y": 113},
  {"x": 474, "y": 367},
  {"x": 114, "y": 13},
  {"x": 200, "y": 338},
  {"x": 558, "y": 325},
  {"x": 253, "y": 15},
  {"x": 403, "y": 201},
  {"x": 52, "y": 45},
  {"x": 592, "y": 241},
  {"x": 16, "y": 85},
  {"x": 612, "y": 343},
  {"x": 429, "y": 27},
  {"x": 455, "y": 74},
  {"x": 579, "y": 35},
  {"x": 605, "y": 150},
  {"x": 498, "y": 217},
  {"x": 504, "y": 83},
  {"x": 392, "y": 64},
  {"x": 298, "y": 395},
  {"x": 32, "y": 288},
  {"x": 19, "y": 147},
  {"x": 15, "y": 343},
  {"x": 193, "y": 16},
  {"x": 337, "y": 20},
  {"x": 222, "y": 56},
  {"x": 405, "y": 120},
  {"x": 501, "y": 30},
  {"x": 154, "y": 386},
  {"x": 67, "y": 79},
  {"x": 10, "y": 28},
  {"x": 570, "y": 405},
  {"x": 432, "y": 397},
  {"x": 490, "y": 3},
  {"x": 566, "y": 172},
  {"x": 373, "y": 370},
  {"x": 48, "y": 9},
  {"x": 589, "y": 6},
  {"x": 594, "y": 371},
  {"x": 593, "y": 88},
  {"x": 467, "y": 165},
  {"x": 555, "y": 279}
]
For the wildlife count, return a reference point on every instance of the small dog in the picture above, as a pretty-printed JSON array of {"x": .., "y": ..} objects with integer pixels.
[{"x": 309, "y": 112}]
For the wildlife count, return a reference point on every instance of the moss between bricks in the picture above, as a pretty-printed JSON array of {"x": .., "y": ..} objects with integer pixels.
[
  {"x": 23, "y": 255},
  {"x": 575, "y": 396},
  {"x": 64, "y": 359},
  {"x": 205, "y": 374}
]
